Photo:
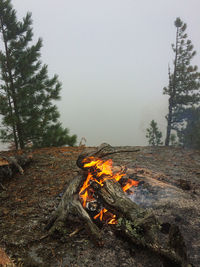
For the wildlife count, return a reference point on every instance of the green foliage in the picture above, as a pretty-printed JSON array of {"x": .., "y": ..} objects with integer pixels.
[
  {"x": 26, "y": 92},
  {"x": 184, "y": 80},
  {"x": 153, "y": 134},
  {"x": 173, "y": 140},
  {"x": 55, "y": 135},
  {"x": 190, "y": 135}
]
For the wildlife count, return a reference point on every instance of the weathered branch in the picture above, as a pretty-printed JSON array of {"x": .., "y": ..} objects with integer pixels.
[
  {"x": 70, "y": 205},
  {"x": 10, "y": 165},
  {"x": 141, "y": 226}
]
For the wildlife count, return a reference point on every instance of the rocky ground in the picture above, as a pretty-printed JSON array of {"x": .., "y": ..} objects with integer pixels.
[{"x": 169, "y": 184}]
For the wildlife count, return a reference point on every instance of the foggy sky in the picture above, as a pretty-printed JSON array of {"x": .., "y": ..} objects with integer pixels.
[{"x": 112, "y": 58}]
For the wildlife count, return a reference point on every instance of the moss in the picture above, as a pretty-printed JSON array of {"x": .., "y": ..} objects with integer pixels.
[
  {"x": 129, "y": 227},
  {"x": 119, "y": 222}
]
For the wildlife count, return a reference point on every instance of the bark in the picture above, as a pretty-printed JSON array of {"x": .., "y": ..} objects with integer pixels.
[{"x": 169, "y": 124}]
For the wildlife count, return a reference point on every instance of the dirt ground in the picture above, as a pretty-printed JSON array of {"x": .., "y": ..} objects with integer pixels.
[{"x": 27, "y": 200}]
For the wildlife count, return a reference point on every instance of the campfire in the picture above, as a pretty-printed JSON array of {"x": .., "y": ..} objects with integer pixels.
[
  {"x": 98, "y": 171},
  {"x": 99, "y": 194}
]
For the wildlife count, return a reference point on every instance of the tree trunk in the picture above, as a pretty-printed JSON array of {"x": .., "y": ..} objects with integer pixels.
[
  {"x": 172, "y": 93},
  {"x": 169, "y": 126},
  {"x": 11, "y": 115}
]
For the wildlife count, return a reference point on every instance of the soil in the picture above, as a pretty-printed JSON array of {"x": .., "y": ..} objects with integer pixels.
[{"x": 171, "y": 189}]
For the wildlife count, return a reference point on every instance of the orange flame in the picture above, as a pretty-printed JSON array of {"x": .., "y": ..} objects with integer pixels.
[
  {"x": 111, "y": 217},
  {"x": 100, "y": 214},
  {"x": 84, "y": 192},
  {"x": 129, "y": 184},
  {"x": 99, "y": 171}
]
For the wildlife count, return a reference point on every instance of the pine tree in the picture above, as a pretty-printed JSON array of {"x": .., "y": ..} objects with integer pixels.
[
  {"x": 190, "y": 136},
  {"x": 173, "y": 140},
  {"x": 26, "y": 92},
  {"x": 184, "y": 81},
  {"x": 153, "y": 134},
  {"x": 55, "y": 135}
]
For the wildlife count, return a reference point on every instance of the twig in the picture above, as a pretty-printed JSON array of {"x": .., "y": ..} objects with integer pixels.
[
  {"x": 3, "y": 187},
  {"x": 75, "y": 231},
  {"x": 119, "y": 151}
]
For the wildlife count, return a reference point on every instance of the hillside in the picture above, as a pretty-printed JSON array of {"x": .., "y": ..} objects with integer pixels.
[{"x": 170, "y": 185}]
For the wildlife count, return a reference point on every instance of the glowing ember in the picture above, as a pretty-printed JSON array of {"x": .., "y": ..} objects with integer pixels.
[
  {"x": 99, "y": 171},
  {"x": 111, "y": 217}
]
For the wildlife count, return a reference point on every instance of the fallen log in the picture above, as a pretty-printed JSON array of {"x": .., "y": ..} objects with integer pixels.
[
  {"x": 13, "y": 164},
  {"x": 141, "y": 226},
  {"x": 137, "y": 224}
]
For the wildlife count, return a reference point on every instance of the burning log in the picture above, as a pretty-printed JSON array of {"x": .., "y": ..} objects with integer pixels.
[
  {"x": 70, "y": 206},
  {"x": 99, "y": 191}
]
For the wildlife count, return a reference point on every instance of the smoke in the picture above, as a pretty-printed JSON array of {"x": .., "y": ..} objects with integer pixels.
[{"x": 149, "y": 197}]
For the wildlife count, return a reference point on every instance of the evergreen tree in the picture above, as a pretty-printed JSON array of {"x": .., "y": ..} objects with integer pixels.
[
  {"x": 153, "y": 134},
  {"x": 26, "y": 92},
  {"x": 173, "y": 140},
  {"x": 184, "y": 81},
  {"x": 55, "y": 135},
  {"x": 190, "y": 135}
]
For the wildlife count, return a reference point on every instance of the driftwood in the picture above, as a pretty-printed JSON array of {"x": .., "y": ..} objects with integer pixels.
[
  {"x": 10, "y": 165},
  {"x": 138, "y": 225}
]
